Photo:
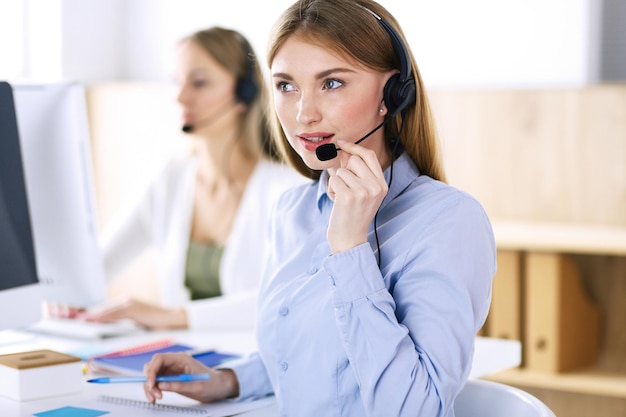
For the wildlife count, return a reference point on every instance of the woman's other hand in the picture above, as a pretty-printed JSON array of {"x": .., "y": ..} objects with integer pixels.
[
  {"x": 150, "y": 316},
  {"x": 63, "y": 311}
]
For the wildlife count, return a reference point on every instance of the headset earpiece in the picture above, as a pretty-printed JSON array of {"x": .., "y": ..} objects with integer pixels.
[
  {"x": 400, "y": 90},
  {"x": 246, "y": 88},
  {"x": 398, "y": 94}
]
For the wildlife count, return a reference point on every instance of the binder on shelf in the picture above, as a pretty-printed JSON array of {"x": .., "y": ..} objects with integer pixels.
[
  {"x": 504, "y": 319},
  {"x": 562, "y": 323}
]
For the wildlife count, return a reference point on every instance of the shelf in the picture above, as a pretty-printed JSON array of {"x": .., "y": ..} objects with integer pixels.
[
  {"x": 590, "y": 381},
  {"x": 538, "y": 236}
]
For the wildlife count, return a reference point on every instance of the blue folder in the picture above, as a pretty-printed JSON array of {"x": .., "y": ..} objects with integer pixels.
[{"x": 133, "y": 364}]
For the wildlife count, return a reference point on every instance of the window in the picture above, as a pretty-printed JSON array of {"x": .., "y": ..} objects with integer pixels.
[
  {"x": 11, "y": 39},
  {"x": 30, "y": 39}
]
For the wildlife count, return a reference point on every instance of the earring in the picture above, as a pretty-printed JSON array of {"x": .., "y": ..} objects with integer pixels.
[{"x": 381, "y": 110}]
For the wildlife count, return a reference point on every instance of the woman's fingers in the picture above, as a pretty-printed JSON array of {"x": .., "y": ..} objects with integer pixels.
[
  {"x": 360, "y": 171},
  {"x": 357, "y": 187},
  {"x": 368, "y": 156},
  {"x": 222, "y": 383}
]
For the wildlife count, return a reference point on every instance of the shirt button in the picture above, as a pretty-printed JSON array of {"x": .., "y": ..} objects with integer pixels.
[
  {"x": 284, "y": 366},
  {"x": 283, "y": 311},
  {"x": 312, "y": 270}
]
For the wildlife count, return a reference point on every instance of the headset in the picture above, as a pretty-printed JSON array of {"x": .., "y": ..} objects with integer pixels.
[
  {"x": 246, "y": 88},
  {"x": 400, "y": 91}
]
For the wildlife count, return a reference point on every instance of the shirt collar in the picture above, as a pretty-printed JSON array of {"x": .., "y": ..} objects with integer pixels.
[{"x": 404, "y": 173}]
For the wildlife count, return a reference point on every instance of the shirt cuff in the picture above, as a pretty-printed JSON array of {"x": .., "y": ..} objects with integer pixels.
[
  {"x": 252, "y": 377},
  {"x": 353, "y": 274}
]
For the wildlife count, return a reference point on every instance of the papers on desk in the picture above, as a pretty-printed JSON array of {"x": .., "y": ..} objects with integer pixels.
[
  {"x": 131, "y": 361},
  {"x": 494, "y": 355}
]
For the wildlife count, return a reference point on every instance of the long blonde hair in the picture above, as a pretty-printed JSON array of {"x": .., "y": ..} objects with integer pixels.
[
  {"x": 347, "y": 28},
  {"x": 232, "y": 51}
]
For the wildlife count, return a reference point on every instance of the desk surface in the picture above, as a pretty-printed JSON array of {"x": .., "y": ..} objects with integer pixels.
[{"x": 492, "y": 355}]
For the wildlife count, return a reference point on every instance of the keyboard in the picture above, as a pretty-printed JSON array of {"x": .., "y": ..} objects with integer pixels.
[{"x": 80, "y": 329}]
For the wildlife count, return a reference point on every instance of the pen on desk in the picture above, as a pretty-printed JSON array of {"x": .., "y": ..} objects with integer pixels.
[{"x": 160, "y": 378}]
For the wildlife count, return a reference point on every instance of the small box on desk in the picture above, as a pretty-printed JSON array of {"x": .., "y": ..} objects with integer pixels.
[{"x": 42, "y": 373}]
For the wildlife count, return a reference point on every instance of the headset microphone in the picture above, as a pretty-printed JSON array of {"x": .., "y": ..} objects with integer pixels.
[
  {"x": 190, "y": 127},
  {"x": 328, "y": 151}
]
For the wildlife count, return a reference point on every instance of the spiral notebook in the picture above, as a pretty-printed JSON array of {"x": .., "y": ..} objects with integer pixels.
[
  {"x": 116, "y": 406},
  {"x": 105, "y": 405}
]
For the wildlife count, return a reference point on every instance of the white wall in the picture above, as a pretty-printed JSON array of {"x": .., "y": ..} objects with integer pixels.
[
  {"x": 501, "y": 42},
  {"x": 526, "y": 43},
  {"x": 94, "y": 34}
]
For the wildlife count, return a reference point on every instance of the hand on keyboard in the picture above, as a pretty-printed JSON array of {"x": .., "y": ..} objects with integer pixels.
[
  {"x": 58, "y": 310},
  {"x": 147, "y": 315}
]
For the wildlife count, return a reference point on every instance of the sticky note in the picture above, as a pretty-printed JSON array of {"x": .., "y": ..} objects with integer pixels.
[{"x": 71, "y": 412}]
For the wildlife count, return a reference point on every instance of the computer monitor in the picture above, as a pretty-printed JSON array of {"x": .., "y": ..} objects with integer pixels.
[
  {"x": 56, "y": 153},
  {"x": 20, "y": 292}
]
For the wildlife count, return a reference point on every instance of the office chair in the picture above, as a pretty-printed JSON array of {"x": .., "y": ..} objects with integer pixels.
[{"x": 480, "y": 398}]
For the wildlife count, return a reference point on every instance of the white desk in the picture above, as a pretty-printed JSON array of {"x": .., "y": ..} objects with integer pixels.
[{"x": 492, "y": 355}]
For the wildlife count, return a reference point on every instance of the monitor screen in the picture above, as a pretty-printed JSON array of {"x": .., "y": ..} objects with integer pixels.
[
  {"x": 20, "y": 292},
  {"x": 54, "y": 136}
]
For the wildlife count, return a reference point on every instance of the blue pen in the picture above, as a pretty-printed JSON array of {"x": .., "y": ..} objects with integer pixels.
[{"x": 160, "y": 378}]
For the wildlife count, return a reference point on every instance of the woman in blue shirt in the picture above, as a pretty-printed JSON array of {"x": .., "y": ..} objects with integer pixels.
[{"x": 380, "y": 273}]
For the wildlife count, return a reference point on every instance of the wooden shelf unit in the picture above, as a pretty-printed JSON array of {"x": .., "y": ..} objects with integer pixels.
[
  {"x": 549, "y": 165},
  {"x": 592, "y": 381},
  {"x": 567, "y": 309}
]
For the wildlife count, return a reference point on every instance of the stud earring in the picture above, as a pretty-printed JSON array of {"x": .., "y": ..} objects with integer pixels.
[{"x": 381, "y": 110}]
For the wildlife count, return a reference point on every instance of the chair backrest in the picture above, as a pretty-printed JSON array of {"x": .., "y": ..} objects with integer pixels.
[{"x": 480, "y": 398}]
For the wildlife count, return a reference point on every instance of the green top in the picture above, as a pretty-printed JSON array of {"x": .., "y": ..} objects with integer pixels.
[{"x": 202, "y": 270}]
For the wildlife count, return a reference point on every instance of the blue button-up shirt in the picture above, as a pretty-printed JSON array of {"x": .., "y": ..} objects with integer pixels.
[{"x": 340, "y": 336}]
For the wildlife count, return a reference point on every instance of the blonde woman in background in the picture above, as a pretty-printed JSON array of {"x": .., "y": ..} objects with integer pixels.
[{"x": 206, "y": 213}]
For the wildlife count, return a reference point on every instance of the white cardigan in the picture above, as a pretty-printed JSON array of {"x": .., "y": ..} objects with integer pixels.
[{"x": 161, "y": 219}]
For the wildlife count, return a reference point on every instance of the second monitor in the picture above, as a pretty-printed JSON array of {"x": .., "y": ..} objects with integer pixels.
[
  {"x": 54, "y": 135},
  {"x": 20, "y": 292}
]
